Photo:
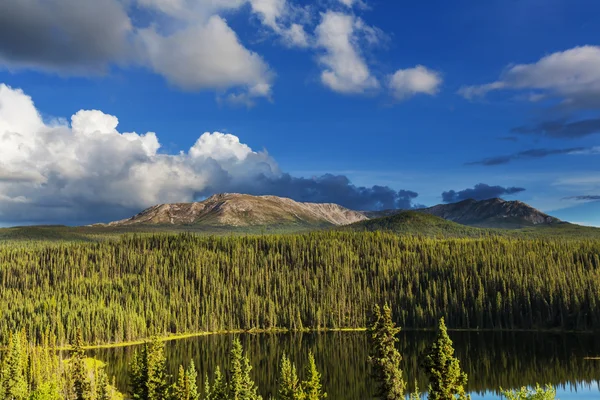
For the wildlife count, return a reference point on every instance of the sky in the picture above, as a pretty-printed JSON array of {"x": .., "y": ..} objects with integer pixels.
[{"x": 108, "y": 107}]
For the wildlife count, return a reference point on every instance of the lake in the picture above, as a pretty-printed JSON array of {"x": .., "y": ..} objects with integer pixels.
[{"x": 491, "y": 360}]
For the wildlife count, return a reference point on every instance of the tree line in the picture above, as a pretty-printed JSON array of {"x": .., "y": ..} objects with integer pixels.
[
  {"x": 136, "y": 287},
  {"x": 39, "y": 373}
]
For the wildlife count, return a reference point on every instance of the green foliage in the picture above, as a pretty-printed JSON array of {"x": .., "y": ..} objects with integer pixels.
[
  {"x": 14, "y": 383},
  {"x": 538, "y": 393},
  {"x": 385, "y": 358},
  {"x": 446, "y": 380},
  {"x": 289, "y": 384},
  {"x": 241, "y": 385},
  {"x": 416, "y": 394},
  {"x": 79, "y": 373},
  {"x": 148, "y": 376},
  {"x": 312, "y": 386},
  {"x": 218, "y": 389},
  {"x": 186, "y": 283},
  {"x": 186, "y": 386}
]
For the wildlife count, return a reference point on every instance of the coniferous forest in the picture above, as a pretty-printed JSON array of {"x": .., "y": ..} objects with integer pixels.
[{"x": 139, "y": 286}]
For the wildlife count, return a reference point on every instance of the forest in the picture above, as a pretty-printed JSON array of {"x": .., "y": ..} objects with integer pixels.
[
  {"x": 139, "y": 286},
  {"x": 38, "y": 372}
]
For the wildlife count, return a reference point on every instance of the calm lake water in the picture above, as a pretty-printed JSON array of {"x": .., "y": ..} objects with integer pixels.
[{"x": 492, "y": 360}]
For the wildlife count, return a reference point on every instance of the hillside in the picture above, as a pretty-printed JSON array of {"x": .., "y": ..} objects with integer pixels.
[
  {"x": 240, "y": 210},
  {"x": 413, "y": 222},
  {"x": 492, "y": 213}
]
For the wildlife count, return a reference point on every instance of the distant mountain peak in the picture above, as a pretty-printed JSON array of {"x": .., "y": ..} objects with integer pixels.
[
  {"x": 492, "y": 213},
  {"x": 235, "y": 209}
]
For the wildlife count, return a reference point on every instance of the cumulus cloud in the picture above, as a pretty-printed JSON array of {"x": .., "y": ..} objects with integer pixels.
[
  {"x": 529, "y": 154},
  {"x": 572, "y": 75},
  {"x": 206, "y": 56},
  {"x": 63, "y": 35},
  {"x": 409, "y": 82},
  {"x": 562, "y": 128},
  {"x": 481, "y": 191},
  {"x": 88, "y": 171},
  {"x": 346, "y": 70}
]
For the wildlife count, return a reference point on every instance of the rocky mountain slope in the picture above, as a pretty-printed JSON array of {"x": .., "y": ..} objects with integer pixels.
[
  {"x": 240, "y": 210},
  {"x": 492, "y": 213}
]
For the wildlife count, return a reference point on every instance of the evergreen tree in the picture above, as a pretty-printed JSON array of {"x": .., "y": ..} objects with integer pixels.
[
  {"x": 14, "y": 382},
  {"x": 79, "y": 372},
  {"x": 157, "y": 382},
  {"x": 289, "y": 384},
  {"x": 179, "y": 388},
  {"x": 385, "y": 358},
  {"x": 241, "y": 386},
  {"x": 416, "y": 395},
  {"x": 313, "y": 389},
  {"x": 446, "y": 380},
  {"x": 103, "y": 391},
  {"x": 138, "y": 374},
  {"x": 192, "y": 378},
  {"x": 218, "y": 390}
]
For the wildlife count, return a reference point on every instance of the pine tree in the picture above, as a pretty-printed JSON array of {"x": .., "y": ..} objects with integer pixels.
[
  {"x": 289, "y": 384},
  {"x": 179, "y": 388},
  {"x": 218, "y": 390},
  {"x": 138, "y": 374},
  {"x": 192, "y": 379},
  {"x": 416, "y": 395},
  {"x": 446, "y": 380},
  {"x": 81, "y": 382},
  {"x": 241, "y": 386},
  {"x": 157, "y": 382},
  {"x": 312, "y": 387},
  {"x": 385, "y": 358},
  {"x": 14, "y": 382},
  {"x": 103, "y": 391}
]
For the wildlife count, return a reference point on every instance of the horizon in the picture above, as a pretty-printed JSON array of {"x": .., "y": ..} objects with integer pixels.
[{"x": 365, "y": 104}]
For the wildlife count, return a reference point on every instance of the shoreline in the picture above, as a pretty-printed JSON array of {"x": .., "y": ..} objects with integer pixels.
[{"x": 172, "y": 337}]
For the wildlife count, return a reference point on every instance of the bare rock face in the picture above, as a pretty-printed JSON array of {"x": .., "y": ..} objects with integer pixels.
[
  {"x": 231, "y": 209},
  {"x": 492, "y": 213}
]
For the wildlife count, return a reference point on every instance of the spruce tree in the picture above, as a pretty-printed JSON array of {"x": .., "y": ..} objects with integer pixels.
[
  {"x": 312, "y": 387},
  {"x": 446, "y": 380},
  {"x": 157, "y": 382},
  {"x": 14, "y": 382},
  {"x": 289, "y": 384},
  {"x": 180, "y": 391},
  {"x": 384, "y": 357},
  {"x": 218, "y": 390},
  {"x": 241, "y": 386},
  {"x": 138, "y": 374},
  {"x": 79, "y": 372},
  {"x": 192, "y": 378}
]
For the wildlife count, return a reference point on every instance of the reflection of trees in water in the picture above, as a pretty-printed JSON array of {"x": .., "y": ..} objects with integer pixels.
[{"x": 492, "y": 360}]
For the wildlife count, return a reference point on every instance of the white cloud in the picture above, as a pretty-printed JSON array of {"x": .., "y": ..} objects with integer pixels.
[
  {"x": 206, "y": 56},
  {"x": 72, "y": 171},
  {"x": 572, "y": 75},
  {"x": 409, "y": 82},
  {"x": 346, "y": 71}
]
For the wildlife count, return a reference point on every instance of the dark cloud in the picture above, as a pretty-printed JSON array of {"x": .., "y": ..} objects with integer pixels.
[
  {"x": 481, "y": 191},
  {"x": 527, "y": 154},
  {"x": 327, "y": 188},
  {"x": 562, "y": 128},
  {"x": 584, "y": 198},
  {"x": 57, "y": 35}
]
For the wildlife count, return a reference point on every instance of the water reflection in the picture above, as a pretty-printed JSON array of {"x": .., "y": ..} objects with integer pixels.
[{"x": 491, "y": 359}]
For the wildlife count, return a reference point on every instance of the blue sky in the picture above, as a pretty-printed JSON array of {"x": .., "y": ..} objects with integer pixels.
[{"x": 370, "y": 104}]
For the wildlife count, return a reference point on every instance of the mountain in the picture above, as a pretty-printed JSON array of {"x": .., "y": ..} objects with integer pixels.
[
  {"x": 240, "y": 210},
  {"x": 414, "y": 222},
  {"x": 492, "y": 213}
]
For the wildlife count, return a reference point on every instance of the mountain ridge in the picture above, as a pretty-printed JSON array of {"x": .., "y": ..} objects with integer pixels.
[{"x": 240, "y": 210}]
